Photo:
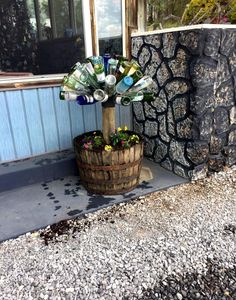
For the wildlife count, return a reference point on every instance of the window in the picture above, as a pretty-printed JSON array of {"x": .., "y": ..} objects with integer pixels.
[
  {"x": 40, "y": 36},
  {"x": 109, "y": 26},
  {"x": 49, "y": 36}
]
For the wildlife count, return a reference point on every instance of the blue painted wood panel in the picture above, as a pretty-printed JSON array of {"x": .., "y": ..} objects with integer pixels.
[
  {"x": 98, "y": 108},
  {"x": 89, "y": 114},
  {"x": 18, "y": 123},
  {"x": 7, "y": 149},
  {"x": 76, "y": 118},
  {"x": 63, "y": 121},
  {"x": 35, "y": 121},
  {"x": 48, "y": 112}
]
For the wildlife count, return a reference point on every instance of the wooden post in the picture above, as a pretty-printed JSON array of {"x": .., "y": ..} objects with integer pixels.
[
  {"x": 142, "y": 15},
  {"x": 93, "y": 27},
  {"x": 108, "y": 122}
]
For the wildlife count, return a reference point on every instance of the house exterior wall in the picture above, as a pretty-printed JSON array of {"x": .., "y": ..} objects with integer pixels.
[
  {"x": 35, "y": 121},
  {"x": 190, "y": 128}
]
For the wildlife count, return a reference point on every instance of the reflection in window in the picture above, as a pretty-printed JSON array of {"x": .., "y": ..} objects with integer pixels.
[
  {"x": 40, "y": 36},
  {"x": 43, "y": 21},
  {"x": 109, "y": 26},
  {"x": 165, "y": 13},
  {"x": 60, "y": 18}
]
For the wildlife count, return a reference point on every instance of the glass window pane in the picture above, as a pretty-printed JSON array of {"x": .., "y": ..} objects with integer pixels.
[
  {"x": 17, "y": 37},
  {"x": 44, "y": 22},
  {"x": 40, "y": 36},
  {"x": 79, "y": 17},
  {"x": 165, "y": 13},
  {"x": 109, "y": 26},
  {"x": 60, "y": 18}
]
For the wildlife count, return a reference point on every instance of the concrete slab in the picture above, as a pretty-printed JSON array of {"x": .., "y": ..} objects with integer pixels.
[
  {"x": 49, "y": 166},
  {"x": 35, "y": 206}
]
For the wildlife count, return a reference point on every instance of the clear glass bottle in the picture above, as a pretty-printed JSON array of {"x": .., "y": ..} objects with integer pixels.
[
  {"x": 100, "y": 96},
  {"x": 110, "y": 85},
  {"x": 112, "y": 65},
  {"x": 90, "y": 69},
  {"x": 142, "y": 84},
  {"x": 68, "y": 96}
]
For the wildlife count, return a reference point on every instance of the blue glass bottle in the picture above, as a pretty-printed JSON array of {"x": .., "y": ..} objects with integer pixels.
[
  {"x": 124, "y": 85},
  {"x": 106, "y": 57}
]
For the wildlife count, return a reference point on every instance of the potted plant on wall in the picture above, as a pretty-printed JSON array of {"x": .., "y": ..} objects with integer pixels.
[{"x": 109, "y": 162}]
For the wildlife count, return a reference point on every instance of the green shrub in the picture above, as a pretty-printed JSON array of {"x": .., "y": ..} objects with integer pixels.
[{"x": 209, "y": 11}]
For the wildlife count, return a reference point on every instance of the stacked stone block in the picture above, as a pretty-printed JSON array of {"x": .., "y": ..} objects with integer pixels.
[{"x": 190, "y": 128}]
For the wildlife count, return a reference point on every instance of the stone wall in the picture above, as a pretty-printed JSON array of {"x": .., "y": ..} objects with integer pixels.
[{"x": 190, "y": 128}]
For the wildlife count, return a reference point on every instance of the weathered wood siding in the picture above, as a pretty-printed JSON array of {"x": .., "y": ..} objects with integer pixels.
[{"x": 35, "y": 121}]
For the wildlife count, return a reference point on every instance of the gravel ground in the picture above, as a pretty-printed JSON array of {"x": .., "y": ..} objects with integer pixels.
[{"x": 174, "y": 244}]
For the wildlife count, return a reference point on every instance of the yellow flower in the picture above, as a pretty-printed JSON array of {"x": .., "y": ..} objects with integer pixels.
[
  {"x": 134, "y": 138},
  {"x": 125, "y": 128},
  {"x": 108, "y": 148},
  {"x": 119, "y": 129}
]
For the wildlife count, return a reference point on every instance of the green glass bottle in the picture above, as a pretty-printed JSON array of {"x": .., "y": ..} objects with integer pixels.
[
  {"x": 100, "y": 72},
  {"x": 91, "y": 79},
  {"x": 134, "y": 67},
  {"x": 71, "y": 82},
  {"x": 123, "y": 70},
  {"x": 134, "y": 96},
  {"x": 65, "y": 88},
  {"x": 123, "y": 100},
  {"x": 137, "y": 75},
  {"x": 81, "y": 77},
  {"x": 148, "y": 96},
  {"x": 98, "y": 65}
]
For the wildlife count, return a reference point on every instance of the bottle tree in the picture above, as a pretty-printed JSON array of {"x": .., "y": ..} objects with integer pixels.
[
  {"x": 109, "y": 163},
  {"x": 107, "y": 80}
]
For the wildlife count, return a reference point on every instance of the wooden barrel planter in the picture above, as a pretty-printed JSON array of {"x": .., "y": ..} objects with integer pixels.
[{"x": 109, "y": 172}]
